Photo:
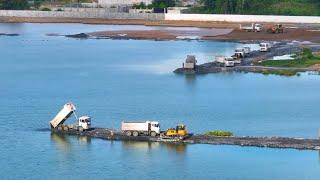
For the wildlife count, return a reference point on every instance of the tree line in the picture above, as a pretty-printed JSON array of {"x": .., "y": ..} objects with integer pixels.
[{"x": 281, "y": 7}]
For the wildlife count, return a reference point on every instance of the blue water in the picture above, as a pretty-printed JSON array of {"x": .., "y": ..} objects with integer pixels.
[{"x": 116, "y": 80}]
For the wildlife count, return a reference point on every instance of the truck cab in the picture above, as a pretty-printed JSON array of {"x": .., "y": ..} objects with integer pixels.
[
  {"x": 155, "y": 127},
  {"x": 258, "y": 27},
  {"x": 239, "y": 53},
  {"x": 84, "y": 122},
  {"x": 230, "y": 62}
]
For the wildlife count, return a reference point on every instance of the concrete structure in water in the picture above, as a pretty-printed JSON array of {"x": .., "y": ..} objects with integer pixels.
[{"x": 190, "y": 63}]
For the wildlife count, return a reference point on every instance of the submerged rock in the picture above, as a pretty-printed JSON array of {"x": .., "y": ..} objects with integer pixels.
[
  {"x": 9, "y": 34},
  {"x": 80, "y": 35}
]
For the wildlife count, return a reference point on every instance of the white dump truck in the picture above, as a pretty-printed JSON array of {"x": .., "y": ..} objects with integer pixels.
[
  {"x": 265, "y": 47},
  {"x": 147, "y": 128},
  {"x": 254, "y": 27},
  {"x": 83, "y": 123},
  {"x": 225, "y": 61}
]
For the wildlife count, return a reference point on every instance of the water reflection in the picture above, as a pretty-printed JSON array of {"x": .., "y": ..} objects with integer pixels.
[
  {"x": 190, "y": 79},
  {"x": 146, "y": 146},
  {"x": 179, "y": 148},
  {"x": 64, "y": 142}
]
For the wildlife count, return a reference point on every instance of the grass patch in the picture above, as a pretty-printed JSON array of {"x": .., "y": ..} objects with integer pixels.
[
  {"x": 302, "y": 60},
  {"x": 219, "y": 133},
  {"x": 45, "y": 9},
  {"x": 280, "y": 72}
]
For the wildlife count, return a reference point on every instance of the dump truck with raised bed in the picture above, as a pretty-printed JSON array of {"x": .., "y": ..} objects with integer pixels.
[
  {"x": 147, "y": 128},
  {"x": 83, "y": 123}
]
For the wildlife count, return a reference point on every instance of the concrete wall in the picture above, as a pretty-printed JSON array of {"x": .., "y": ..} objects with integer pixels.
[
  {"x": 105, "y": 14},
  {"x": 84, "y": 14},
  {"x": 243, "y": 18}
]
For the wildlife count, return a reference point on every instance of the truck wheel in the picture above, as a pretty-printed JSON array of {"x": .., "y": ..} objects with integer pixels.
[
  {"x": 153, "y": 134},
  {"x": 128, "y": 133},
  {"x": 135, "y": 134}
]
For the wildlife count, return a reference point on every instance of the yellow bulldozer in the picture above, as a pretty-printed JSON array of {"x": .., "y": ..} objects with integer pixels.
[
  {"x": 276, "y": 29},
  {"x": 180, "y": 131}
]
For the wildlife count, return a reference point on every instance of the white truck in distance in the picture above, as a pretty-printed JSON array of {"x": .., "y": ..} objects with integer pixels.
[
  {"x": 265, "y": 47},
  {"x": 252, "y": 28},
  {"x": 242, "y": 52},
  {"x": 225, "y": 61},
  {"x": 149, "y": 128}
]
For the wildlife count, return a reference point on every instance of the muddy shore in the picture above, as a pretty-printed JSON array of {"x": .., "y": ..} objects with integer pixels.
[
  {"x": 270, "y": 142},
  {"x": 217, "y": 34}
]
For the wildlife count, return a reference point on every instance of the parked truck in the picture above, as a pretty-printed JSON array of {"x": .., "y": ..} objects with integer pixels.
[
  {"x": 265, "y": 47},
  {"x": 241, "y": 52},
  {"x": 224, "y": 61},
  {"x": 254, "y": 27},
  {"x": 147, "y": 128},
  {"x": 83, "y": 123}
]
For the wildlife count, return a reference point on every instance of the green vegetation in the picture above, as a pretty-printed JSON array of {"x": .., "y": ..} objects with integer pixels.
[
  {"x": 267, "y": 7},
  {"x": 302, "y": 60},
  {"x": 158, "y": 4},
  {"x": 142, "y": 5},
  {"x": 45, "y": 9},
  {"x": 219, "y": 133},
  {"x": 287, "y": 72},
  {"x": 163, "y": 3},
  {"x": 14, "y": 4}
]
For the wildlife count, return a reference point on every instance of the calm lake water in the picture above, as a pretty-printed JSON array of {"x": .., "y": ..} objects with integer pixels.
[{"x": 116, "y": 80}]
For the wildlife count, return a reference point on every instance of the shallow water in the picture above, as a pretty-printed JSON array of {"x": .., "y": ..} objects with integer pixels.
[{"x": 116, "y": 80}]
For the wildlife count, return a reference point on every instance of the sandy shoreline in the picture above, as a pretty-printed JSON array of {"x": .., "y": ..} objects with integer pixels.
[{"x": 216, "y": 34}]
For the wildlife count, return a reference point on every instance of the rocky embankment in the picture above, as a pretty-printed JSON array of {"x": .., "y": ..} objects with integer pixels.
[{"x": 270, "y": 142}]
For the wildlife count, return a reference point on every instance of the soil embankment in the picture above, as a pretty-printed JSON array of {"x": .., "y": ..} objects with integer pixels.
[{"x": 272, "y": 142}]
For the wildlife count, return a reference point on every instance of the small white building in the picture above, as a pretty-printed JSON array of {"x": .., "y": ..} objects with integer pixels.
[{"x": 109, "y": 3}]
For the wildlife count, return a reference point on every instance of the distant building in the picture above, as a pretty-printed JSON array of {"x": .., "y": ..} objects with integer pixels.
[{"x": 109, "y": 3}]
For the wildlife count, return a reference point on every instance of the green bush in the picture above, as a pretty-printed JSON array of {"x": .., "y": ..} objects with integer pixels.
[
  {"x": 45, "y": 9},
  {"x": 219, "y": 133},
  {"x": 302, "y": 60}
]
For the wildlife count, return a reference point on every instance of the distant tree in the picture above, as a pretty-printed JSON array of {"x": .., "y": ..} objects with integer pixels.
[
  {"x": 281, "y": 7},
  {"x": 163, "y": 3},
  {"x": 37, "y": 3},
  {"x": 14, "y": 4},
  {"x": 142, "y": 5}
]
